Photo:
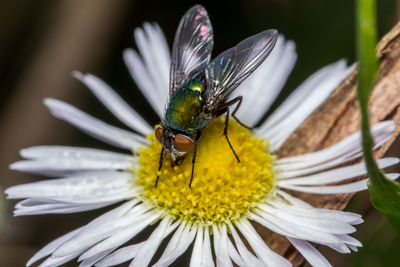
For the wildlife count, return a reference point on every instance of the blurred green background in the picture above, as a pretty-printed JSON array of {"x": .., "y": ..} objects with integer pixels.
[{"x": 43, "y": 41}]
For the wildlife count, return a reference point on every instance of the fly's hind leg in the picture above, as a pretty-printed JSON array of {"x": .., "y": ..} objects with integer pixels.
[
  {"x": 226, "y": 134},
  {"x": 238, "y": 99}
]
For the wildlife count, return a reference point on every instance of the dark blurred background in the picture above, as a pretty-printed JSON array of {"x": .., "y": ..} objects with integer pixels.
[{"x": 41, "y": 42}]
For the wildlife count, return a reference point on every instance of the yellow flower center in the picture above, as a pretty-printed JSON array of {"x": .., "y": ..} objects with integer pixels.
[{"x": 222, "y": 189}]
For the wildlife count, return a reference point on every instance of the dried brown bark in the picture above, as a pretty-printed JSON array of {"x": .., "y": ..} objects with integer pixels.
[{"x": 339, "y": 117}]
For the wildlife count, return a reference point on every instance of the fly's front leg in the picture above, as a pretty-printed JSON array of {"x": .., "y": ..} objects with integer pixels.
[
  {"x": 196, "y": 141},
  {"x": 160, "y": 165}
]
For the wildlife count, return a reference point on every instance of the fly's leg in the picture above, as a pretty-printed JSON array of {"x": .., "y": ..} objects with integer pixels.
[
  {"x": 177, "y": 162},
  {"x": 196, "y": 141},
  {"x": 238, "y": 99},
  {"x": 224, "y": 107},
  {"x": 226, "y": 134},
  {"x": 160, "y": 165}
]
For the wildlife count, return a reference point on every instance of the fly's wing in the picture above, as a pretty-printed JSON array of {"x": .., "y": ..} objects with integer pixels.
[
  {"x": 192, "y": 48},
  {"x": 225, "y": 73}
]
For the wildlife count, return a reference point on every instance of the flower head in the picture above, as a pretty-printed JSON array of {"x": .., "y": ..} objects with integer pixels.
[{"x": 225, "y": 197}]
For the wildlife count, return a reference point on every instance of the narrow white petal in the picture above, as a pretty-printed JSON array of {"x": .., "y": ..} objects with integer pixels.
[
  {"x": 101, "y": 229},
  {"x": 89, "y": 188},
  {"x": 302, "y": 102},
  {"x": 156, "y": 62},
  {"x": 151, "y": 72},
  {"x": 262, "y": 251},
  {"x": 91, "y": 261},
  {"x": 310, "y": 253},
  {"x": 59, "y": 167},
  {"x": 143, "y": 80},
  {"x": 68, "y": 152},
  {"x": 57, "y": 261},
  {"x": 320, "y": 224},
  {"x": 34, "y": 206},
  {"x": 349, "y": 240},
  {"x": 94, "y": 127},
  {"x": 207, "y": 254},
  {"x": 150, "y": 246},
  {"x": 118, "y": 238},
  {"x": 201, "y": 255},
  {"x": 381, "y": 132},
  {"x": 120, "y": 256},
  {"x": 118, "y": 107},
  {"x": 336, "y": 189},
  {"x": 233, "y": 254},
  {"x": 248, "y": 258},
  {"x": 49, "y": 248},
  {"x": 287, "y": 228},
  {"x": 178, "y": 244},
  {"x": 317, "y": 213},
  {"x": 262, "y": 87},
  {"x": 338, "y": 174},
  {"x": 221, "y": 246}
]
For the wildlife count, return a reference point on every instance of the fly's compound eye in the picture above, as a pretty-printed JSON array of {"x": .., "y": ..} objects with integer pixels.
[
  {"x": 159, "y": 132},
  {"x": 183, "y": 143}
]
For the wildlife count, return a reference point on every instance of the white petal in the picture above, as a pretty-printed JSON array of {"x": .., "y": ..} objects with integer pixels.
[
  {"x": 350, "y": 241},
  {"x": 90, "y": 188},
  {"x": 201, "y": 255},
  {"x": 221, "y": 246},
  {"x": 248, "y": 258},
  {"x": 118, "y": 107},
  {"x": 34, "y": 206},
  {"x": 59, "y": 167},
  {"x": 291, "y": 229},
  {"x": 91, "y": 261},
  {"x": 52, "y": 261},
  {"x": 155, "y": 53},
  {"x": 233, "y": 254},
  {"x": 338, "y": 174},
  {"x": 317, "y": 213},
  {"x": 94, "y": 127},
  {"x": 178, "y": 244},
  {"x": 45, "y": 152},
  {"x": 381, "y": 132},
  {"x": 262, "y": 87},
  {"x": 49, "y": 248},
  {"x": 146, "y": 252},
  {"x": 151, "y": 73},
  {"x": 302, "y": 102},
  {"x": 207, "y": 254},
  {"x": 143, "y": 80},
  {"x": 260, "y": 248},
  {"x": 121, "y": 255},
  {"x": 320, "y": 224},
  {"x": 336, "y": 189},
  {"x": 118, "y": 238},
  {"x": 100, "y": 230},
  {"x": 310, "y": 253}
]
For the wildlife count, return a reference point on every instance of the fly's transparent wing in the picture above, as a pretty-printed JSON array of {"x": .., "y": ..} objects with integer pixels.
[
  {"x": 225, "y": 73},
  {"x": 192, "y": 47}
]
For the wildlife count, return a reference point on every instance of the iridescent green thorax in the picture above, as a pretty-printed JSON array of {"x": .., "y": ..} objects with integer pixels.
[{"x": 184, "y": 107}]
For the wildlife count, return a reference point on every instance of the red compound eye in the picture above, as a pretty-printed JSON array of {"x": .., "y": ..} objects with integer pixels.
[
  {"x": 183, "y": 143},
  {"x": 158, "y": 133}
]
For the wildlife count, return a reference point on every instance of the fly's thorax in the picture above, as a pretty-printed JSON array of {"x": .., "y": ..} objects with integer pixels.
[{"x": 184, "y": 109}]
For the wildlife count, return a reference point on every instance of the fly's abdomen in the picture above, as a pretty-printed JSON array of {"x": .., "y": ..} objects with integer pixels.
[{"x": 184, "y": 108}]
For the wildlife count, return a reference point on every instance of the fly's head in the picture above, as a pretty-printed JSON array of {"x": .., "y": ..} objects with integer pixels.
[{"x": 176, "y": 144}]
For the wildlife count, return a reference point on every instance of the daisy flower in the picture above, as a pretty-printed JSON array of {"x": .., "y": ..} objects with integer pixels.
[{"x": 216, "y": 215}]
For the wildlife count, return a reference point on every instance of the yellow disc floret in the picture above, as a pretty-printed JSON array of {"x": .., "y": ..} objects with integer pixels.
[{"x": 222, "y": 189}]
